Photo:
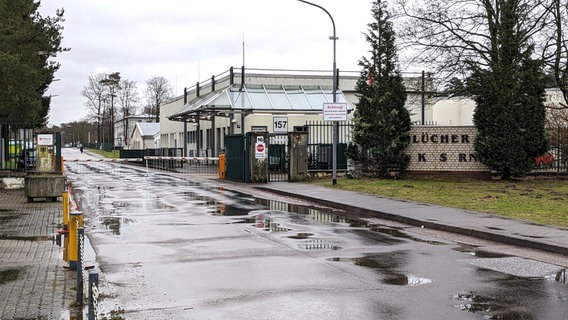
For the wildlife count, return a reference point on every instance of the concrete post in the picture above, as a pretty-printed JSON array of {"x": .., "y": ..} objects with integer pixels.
[
  {"x": 258, "y": 157},
  {"x": 298, "y": 149}
]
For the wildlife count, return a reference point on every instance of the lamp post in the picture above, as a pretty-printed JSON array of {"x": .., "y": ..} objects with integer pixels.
[{"x": 335, "y": 136}]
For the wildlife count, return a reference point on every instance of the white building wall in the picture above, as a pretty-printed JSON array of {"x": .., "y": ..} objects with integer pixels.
[
  {"x": 169, "y": 129},
  {"x": 453, "y": 112}
]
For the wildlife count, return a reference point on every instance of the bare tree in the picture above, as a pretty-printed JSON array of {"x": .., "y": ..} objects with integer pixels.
[
  {"x": 95, "y": 92},
  {"x": 158, "y": 91},
  {"x": 127, "y": 100},
  {"x": 555, "y": 48},
  {"x": 112, "y": 85},
  {"x": 453, "y": 34}
]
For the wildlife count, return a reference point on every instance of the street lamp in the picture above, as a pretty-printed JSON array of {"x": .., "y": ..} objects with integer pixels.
[{"x": 335, "y": 136}]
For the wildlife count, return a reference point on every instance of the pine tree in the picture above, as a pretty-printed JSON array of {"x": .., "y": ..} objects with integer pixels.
[
  {"x": 28, "y": 41},
  {"x": 510, "y": 113},
  {"x": 381, "y": 121}
]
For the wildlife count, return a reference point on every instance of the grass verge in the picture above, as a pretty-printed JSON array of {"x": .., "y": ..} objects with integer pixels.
[
  {"x": 107, "y": 154},
  {"x": 542, "y": 201}
]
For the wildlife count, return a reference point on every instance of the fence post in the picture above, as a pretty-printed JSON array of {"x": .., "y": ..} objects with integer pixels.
[
  {"x": 93, "y": 294},
  {"x": 81, "y": 255}
]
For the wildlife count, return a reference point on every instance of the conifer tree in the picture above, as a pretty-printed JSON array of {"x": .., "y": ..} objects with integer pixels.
[
  {"x": 381, "y": 121},
  {"x": 510, "y": 113},
  {"x": 28, "y": 41}
]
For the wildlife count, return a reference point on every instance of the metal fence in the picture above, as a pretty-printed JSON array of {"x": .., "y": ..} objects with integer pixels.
[
  {"x": 320, "y": 145},
  {"x": 16, "y": 147},
  {"x": 556, "y": 159}
]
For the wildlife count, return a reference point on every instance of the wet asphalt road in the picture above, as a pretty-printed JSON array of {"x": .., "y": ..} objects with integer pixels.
[{"x": 172, "y": 247}]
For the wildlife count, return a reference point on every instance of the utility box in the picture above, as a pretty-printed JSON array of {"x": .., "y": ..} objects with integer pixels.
[
  {"x": 45, "y": 181},
  {"x": 298, "y": 146},
  {"x": 45, "y": 153}
]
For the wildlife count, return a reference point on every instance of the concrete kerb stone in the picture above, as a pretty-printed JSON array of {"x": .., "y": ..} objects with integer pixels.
[{"x": 12, "y": 183}]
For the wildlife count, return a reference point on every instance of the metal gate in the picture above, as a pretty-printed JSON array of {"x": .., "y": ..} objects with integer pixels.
[
  {"x": 236, "y": 152},
  {"x": 278, "y": 168}
]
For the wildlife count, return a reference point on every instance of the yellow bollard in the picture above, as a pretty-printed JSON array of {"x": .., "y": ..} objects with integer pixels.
[
  {"x": 75, "y": 222},
  {"x": 65, "y": 198},
  {"x": 66, "y": 209},
  {"x": 65, "y": 232},
  {"x": 222, "y": 166}
]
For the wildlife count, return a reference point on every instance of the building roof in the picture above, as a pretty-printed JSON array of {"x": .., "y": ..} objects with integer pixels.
[
  {"x": 260, "y": 98},
  {"x": 137, "y": 118},
  {"x": 147, "y": 129}
]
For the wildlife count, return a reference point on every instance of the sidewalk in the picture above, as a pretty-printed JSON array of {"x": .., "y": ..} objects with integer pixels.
[
  {"x": 33, "y": 281},
  {"x": 475, "y": 224}
]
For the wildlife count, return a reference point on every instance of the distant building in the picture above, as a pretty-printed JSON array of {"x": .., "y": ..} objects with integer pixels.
[
  {"x": 123, "y": 128},
  {"x": 143, "y": 134},
  {"x": 242, "y": 100}
]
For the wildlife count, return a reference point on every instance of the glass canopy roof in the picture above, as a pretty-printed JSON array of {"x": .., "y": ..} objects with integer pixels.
[{"x": 283, "y": 99}]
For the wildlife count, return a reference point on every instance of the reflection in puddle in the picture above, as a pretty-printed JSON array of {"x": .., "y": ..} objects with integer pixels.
[
  {"x": 489, "y": 307},
  {"x": 314, "y": 213},
  {"x": 388, "y": 265},
  {"x": 398, "y": 233},
  {"x": 472, "y": 250},
  {"x": 407, "y": 280},
  {"x": 230, "y": 210},
  {"x": 319, "y": 244},
  {"x": 559, "y": 277},
  {"x": 301, "y": 236},
  {"x": 472, "y": 302},
  {"x": 114, "y": 223}
]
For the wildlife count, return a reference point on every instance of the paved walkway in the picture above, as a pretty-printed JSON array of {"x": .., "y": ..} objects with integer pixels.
[
  {"x": 33, "y": 281},
  {"x": 469, "y": 223}
]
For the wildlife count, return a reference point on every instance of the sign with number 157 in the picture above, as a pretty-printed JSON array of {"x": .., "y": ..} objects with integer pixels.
[{"x": 280, "y": 124}]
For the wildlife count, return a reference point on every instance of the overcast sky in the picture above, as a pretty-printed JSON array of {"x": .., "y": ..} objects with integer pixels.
[{"x": 189, "y": 41}]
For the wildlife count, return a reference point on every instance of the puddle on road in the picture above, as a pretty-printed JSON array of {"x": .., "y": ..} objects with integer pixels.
[
  {"x": 6, "y": 218},
  {"x": 473, "y": 302},
  {"x": 388, "y": 265},
  {"x": 219, "y": 201},
  {"x": 301, "y": 236},
  {"x": 491, "y": 308},
  {"x": 9, "y": 275},
  {"x": 559, "y": 277},
  {"x": 114, "y": 223},
  {"x": 399, "y": 233}
]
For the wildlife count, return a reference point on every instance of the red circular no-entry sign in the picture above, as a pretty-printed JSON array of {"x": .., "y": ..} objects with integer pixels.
[{"x": 260, "y": 147}]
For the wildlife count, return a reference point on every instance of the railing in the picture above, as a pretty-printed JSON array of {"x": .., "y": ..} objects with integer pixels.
[
  {"x": 191, "y": 165},
  {"x": 184, "y": 165}
]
